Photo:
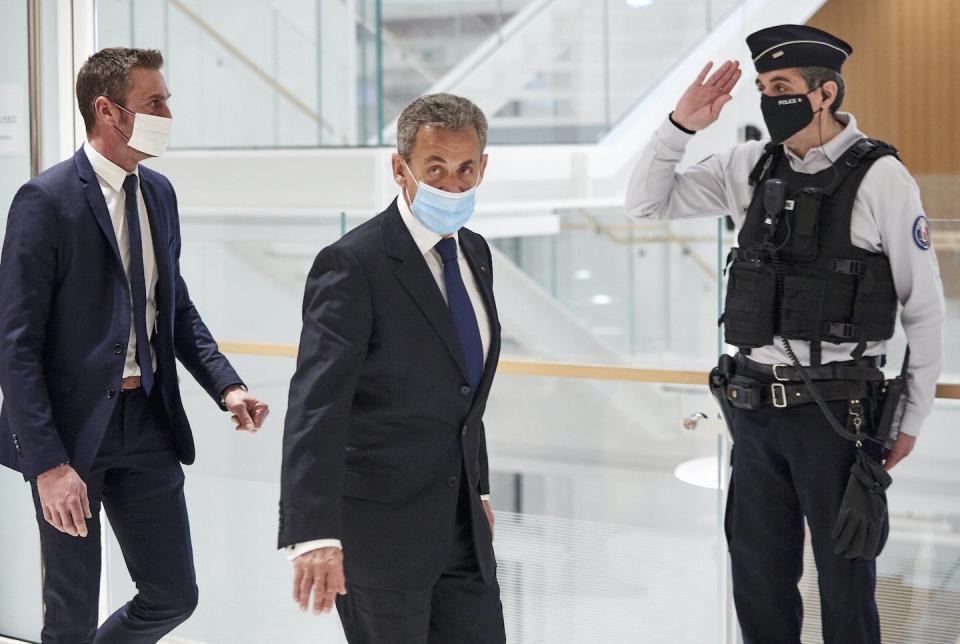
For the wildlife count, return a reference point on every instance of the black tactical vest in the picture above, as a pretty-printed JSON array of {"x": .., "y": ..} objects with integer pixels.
[{"x": 798, "y": 275}]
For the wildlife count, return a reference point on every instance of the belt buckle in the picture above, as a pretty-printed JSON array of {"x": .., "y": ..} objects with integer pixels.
[
  {"x": 777, "y": 375},
  {"x": 779, "y": 394}
]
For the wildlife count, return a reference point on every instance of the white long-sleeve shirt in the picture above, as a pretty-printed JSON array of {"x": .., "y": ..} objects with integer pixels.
[
  {"x": 884, "y": 218},
  {"x": 426, "y": 240}
]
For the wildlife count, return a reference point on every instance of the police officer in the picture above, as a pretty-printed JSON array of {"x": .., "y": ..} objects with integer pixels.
[{"x": 832, "y": 235}]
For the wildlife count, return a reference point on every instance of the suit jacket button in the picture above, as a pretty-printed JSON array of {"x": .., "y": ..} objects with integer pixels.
[
  {"x": 452, "y": 481},
  {"x": 465, "y": 390},
  {"x": 118, "y": 349},
  {"x": 111, "y": 392}
]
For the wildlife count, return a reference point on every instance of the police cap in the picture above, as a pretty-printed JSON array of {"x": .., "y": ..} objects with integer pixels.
[{"x": 796, "y": 46}]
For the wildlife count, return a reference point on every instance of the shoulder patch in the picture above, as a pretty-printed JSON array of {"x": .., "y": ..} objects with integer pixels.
[{"x": 921, "y": 233}]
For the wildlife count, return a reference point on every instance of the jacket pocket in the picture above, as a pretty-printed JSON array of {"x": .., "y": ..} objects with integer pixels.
[{"x": 370, "y": 486}]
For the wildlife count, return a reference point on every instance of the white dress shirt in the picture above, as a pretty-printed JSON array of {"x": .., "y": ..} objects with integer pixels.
[
  {"x": 111, "y": 177},
  {"x": 884, "y": 212},
  {"x": 426, "y": 240}
]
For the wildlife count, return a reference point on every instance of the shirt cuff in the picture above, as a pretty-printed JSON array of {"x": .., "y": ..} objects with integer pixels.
[
  {"x": 680, "y": 127},
  {"x": 298, "y": 549},
  {"x": 484, "y": 497},
  {"x": 912, "y": 421},
  {"x": 672, "y": 136}
]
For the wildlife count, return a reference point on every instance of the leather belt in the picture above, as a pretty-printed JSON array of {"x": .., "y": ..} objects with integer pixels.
[
  {"x": 745, "y": 393},
  {"x": 130, "y": 382},
  {"x": 864, "y": 369}
]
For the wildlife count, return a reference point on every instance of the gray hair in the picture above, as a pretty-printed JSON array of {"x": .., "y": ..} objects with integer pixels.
[
  {"x": 817, "y": 76},
  {"x": 441, "y": 110}
]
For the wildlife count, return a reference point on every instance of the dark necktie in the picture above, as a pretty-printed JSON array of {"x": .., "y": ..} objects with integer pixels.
[
  {"x": 461, "y": 310},
  {"x": 138, "y": 284}
]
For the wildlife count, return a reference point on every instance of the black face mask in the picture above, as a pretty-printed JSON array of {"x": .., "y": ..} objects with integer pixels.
[{"x": 786, "y": 115}]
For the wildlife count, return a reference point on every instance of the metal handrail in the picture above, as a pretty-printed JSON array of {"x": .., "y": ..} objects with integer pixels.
[{"x": 553, "y": 369}]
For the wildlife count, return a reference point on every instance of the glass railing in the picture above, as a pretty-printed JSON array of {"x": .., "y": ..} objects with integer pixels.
[
  {"x": 256, "y": 73},
  {"x": 593, "y": 477}
]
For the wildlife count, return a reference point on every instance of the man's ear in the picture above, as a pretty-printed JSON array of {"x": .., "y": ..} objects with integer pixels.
[
  {"x": 828, "y": 93},
  {"x": 396, "y": 163}
]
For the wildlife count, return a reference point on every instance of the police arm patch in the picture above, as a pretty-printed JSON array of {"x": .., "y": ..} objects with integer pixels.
[{"x": 921, "y": 233}]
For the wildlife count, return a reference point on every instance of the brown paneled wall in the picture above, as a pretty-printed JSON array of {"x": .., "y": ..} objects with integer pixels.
[{"x": 903, "y": 84}]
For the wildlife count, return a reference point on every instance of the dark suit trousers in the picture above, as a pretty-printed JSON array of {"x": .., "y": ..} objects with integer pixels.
[
  {"x": 138, "y": 480},
  {"x": 789, "y": 465},
  {"x": 461, "y": 608}
]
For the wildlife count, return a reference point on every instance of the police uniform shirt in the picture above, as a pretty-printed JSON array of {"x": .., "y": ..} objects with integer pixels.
[{"x": 887, "y": 218}]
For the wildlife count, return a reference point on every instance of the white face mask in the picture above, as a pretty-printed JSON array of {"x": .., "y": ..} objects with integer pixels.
[{"x": 151, "y": 134}]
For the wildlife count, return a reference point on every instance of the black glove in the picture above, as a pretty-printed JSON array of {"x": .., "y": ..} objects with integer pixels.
[{"x": 863, "y": 510}]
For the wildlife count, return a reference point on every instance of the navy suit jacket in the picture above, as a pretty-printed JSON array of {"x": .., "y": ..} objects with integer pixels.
[
  {"x": 380, "y": 422},
  {"x": 65, "y": 317}
]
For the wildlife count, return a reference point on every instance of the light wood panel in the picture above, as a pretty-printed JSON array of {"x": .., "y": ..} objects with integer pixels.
[
  {"x": 549, "y": 369},
  {"x": 903, "y": 79}
]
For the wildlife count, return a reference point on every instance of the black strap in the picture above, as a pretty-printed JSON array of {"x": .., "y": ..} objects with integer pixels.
[
  {"x": 816, "y": 353},
  {"x": 783, "y": 395},
  {"x": 865, "y": 369},
  {"x": 771, "y": 154},
  {"x": 855, "y": 155}
]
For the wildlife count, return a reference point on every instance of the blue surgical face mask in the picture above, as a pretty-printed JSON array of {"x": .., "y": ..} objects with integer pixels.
[{"x": 440, "y": 211}]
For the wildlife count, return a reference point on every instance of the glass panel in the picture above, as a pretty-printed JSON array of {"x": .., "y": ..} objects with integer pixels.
[
  {"x": 339, "y": 73},
  {"x": 591, "y": 546},
  {"x": 638, "y": 292},
  {"x": 20, "y": 604},
  {"x": 918, "y": 574},
  {"x": 604, "y": 533}
]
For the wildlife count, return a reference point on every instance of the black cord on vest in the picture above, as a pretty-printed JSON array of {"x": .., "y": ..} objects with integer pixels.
[{"x": 812, "y": 388}]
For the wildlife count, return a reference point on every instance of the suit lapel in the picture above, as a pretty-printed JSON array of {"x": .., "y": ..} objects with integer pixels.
[
  {"x": 416, "y": 278},
  {"x": 98, "y": 207},
  {"x": 482, "y": 273},
  {"x": 161, "y": 245}
]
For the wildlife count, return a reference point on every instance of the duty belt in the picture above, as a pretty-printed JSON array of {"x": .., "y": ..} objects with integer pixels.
[
  {"x": 748, "y": 393},
  {"x": 864, "y": 369}
]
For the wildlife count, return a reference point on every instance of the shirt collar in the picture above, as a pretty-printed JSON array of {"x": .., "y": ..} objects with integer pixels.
[
  {"x": 832, "y": 149},
  {"x": 423, "y": 237},
  {"x": 107, "y": 169}
]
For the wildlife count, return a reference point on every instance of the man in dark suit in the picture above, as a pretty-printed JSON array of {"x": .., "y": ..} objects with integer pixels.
[
  {"x": 93, "y": 316},
  {"x": 385, "y": 482}
]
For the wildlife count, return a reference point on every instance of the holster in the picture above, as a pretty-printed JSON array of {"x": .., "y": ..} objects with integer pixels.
[
  {"x": 720, "y": 377},
  {"x": 893, "y": 403}
]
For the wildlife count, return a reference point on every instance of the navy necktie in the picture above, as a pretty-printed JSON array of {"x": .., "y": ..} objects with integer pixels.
[
  {"x": 138, "y": 284},
  {"x": 461, "y": 310}
]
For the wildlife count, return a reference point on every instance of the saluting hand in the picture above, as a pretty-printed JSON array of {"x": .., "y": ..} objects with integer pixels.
[
  {"x": 700, "y": 105},
  {"x": 63, "y": 497},
  {"x": 319, "y": 571},
  {"x": 248, "y": 412}
]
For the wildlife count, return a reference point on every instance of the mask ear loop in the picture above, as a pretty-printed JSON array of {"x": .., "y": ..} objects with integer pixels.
[
  {"x": 833, "y": 165},
  {"x": 404, "y": 187},
  {"x": 115, "y": 128}
]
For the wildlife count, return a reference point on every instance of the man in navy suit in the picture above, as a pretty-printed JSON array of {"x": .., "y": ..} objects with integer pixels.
[
  {"x": 384, "y": 483},
  {"x": 93, "y": 316}
]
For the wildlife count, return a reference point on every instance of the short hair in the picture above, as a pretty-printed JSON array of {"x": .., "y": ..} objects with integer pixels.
[
  {"x": 817, "y": 76},
  {"x": 107, "y": 73},
  {"x": 441, "y": 110}
]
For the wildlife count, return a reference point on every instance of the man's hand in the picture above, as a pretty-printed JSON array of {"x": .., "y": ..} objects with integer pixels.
[
  {"x": 700, "y": 105},
  {"x": 489, "y": 512},
  {"x": 900, "y": 450},
  {"x": 248, "y": 412},
  {"x": 63, "y": 497},
  {"x": 319, "y": 571}
]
